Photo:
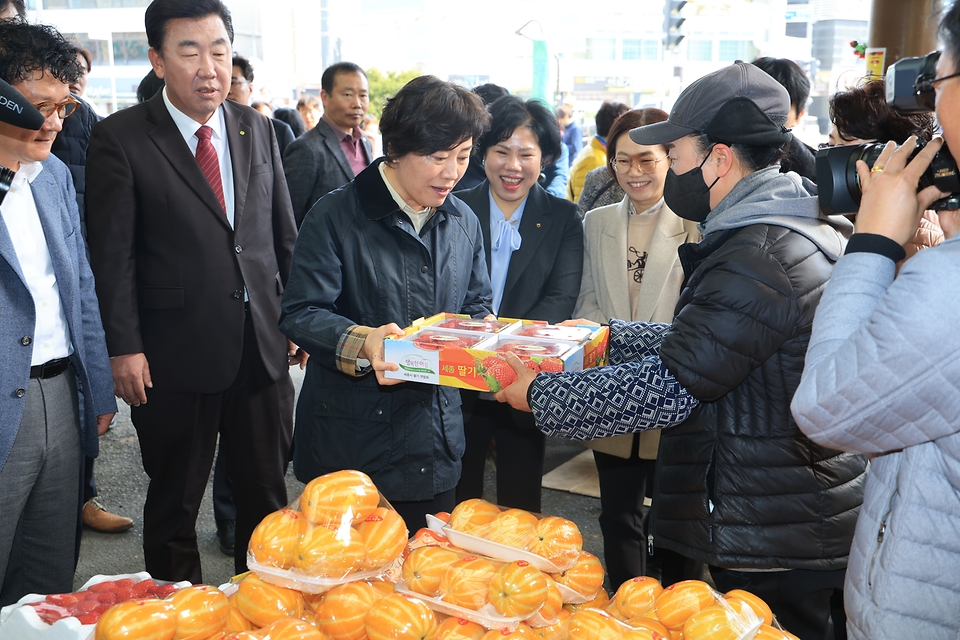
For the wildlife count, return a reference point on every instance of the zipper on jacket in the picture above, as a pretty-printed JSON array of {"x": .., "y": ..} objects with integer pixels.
[{"x": 880, "y": 533}]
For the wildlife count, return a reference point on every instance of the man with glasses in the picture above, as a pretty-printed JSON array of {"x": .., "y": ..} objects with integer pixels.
[{"x": 53, "y": 348}]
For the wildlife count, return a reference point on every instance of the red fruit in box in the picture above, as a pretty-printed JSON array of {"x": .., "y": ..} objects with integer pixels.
[
  {"x": 124, "y": 594},
  {"x": 164, "y": 590},
  {"x": 124, "y": 583},
  {"x": 502, "y": 372},
  {"x": 89, "y": 618},
  {"x": 107, "y": 597},
  {"x": 62, "y": 599},
  {"x": 143, "y": 588},
  {"x": 533, "y": 366},
  {"x": 84, "y": 606},
  {"x": 101, "y": 586},
  {"x": 551, "y": 365}
]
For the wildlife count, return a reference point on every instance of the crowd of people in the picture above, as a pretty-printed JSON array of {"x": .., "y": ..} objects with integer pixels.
[{"x": 781, "y": 384}]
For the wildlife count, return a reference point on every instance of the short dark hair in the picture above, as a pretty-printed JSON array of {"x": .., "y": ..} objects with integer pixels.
[
  {"x": 752, "y": 157},
  {"x": 329, "y": 77},
  {"x": 789, "y": 74},
  {"x": 509, "y": 113},
  {"x": 490, "y": 92},
  {"x": 609, "y": 111},
  {"x": 160, "y": 12},
  {"x": 26, "y": 48},
  {"x": 18, "y": 5},
  {"x": 245, "y": 67},
  {"x": 950, "y": 32},
  {"x": 149, "y": 86},
  {"x": 82, "y": 52},
  {"x": 429, "y": 115},
  {"x": 630, "y": 120},
  {"x": 863, "y": 112}
]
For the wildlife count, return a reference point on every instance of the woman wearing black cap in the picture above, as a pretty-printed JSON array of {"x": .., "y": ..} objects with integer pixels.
[{"x": 738, "y": 486}]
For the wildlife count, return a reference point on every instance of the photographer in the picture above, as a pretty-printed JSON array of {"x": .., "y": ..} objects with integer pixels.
[{"x": 881, "y": 377}]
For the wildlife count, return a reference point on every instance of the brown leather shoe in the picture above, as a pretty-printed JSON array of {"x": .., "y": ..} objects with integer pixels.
[{"x": 99, "y": 519}]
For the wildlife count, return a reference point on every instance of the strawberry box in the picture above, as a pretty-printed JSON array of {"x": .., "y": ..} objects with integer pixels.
[{"x": 458, "y": 351}]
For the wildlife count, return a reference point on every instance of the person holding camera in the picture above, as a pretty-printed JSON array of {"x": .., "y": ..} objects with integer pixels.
[
  {"x": 881, "y": 378},
  {"x": 738, "y": 486}
]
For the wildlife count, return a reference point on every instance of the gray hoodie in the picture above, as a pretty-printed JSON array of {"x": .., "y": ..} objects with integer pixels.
[{"x": 796, "y": 209}]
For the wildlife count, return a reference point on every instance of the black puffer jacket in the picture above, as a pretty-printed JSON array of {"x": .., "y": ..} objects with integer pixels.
[{"x": 738, "y": 484}]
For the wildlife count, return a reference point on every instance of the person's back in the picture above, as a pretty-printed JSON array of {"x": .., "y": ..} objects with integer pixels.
[{"x": 594, "y": 154}]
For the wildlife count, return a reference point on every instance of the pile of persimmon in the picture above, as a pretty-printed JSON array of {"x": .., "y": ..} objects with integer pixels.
[
  {"x": 513, "y": 589},
  {"x": 553, "y": 538},
  {"x": 339, "y": 529}
]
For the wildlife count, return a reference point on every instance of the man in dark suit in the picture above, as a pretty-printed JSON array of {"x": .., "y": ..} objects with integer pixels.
[
  {"x": 332, "y": 153},
  {"x": 191, "y": 236}
]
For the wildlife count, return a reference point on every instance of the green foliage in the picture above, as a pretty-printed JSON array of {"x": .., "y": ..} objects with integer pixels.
[{"x": 385, "y": 85}]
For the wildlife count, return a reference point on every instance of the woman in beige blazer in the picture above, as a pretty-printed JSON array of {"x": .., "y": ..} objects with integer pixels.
[{"x": 631, "y": 271}]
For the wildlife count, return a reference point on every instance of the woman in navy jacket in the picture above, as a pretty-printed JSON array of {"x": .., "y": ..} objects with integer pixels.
[{"x": 534, "y": 248}]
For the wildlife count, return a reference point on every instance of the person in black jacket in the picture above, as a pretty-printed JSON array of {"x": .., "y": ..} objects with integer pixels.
[
  {"x": 534, "y": 248},
  {"x": 241, "y": 89},
  {"x": 799, "y": 157},
  {"x": 738, "y": 485}
]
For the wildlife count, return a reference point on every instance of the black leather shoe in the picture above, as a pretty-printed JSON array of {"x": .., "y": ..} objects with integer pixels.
[{"x": 226, "y": 534}]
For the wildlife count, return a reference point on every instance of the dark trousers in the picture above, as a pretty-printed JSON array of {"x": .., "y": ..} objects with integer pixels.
[
  {"x": 624, "y": 522},
  {"x": 800, "y": 599},
  {"x": 178, "y": 437},
  {"x": 520, "y": 453},
  {"x": 414, "y": 512},
  {"x": 224, "y": 507}
]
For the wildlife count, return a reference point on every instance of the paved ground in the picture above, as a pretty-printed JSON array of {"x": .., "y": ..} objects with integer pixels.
[{"x": 123, "y": 484}]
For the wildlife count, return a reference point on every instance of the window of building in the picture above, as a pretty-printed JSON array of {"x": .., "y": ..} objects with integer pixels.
[
  {"x": 99, "y": 49},
  {"x": 640, "y": 49},
  {"x": 700, "y": 50},
  {"x": 731, "y": 50},
  {"x": 601, "y": 48},
  {"x": 130, "y": 48}
]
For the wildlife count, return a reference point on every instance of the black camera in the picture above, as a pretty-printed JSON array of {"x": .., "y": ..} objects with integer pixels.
[{"x": 909, "y": 89}]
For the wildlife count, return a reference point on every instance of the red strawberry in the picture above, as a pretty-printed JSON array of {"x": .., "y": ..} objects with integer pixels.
[
  {"x": 551, "y": 365},
  {"x": 62, "y": 599},
  {"x": 84, "y": 606},
  {"x": 101, "y": 586},
  {"x": 107, "y": 597},
  {"x": 124, "y": 583},
  {"x": 533, "y": 366},
  {"x": 492, "y": 361},
  {"x": 88, "y": 618},
  {"x": 124, "y": 593},
  {"x": 143, "y": 588},
  {"x": 503, "y": 374},
  {"x": 87, "y": 595},
  {"x": 165, "y": 590}
]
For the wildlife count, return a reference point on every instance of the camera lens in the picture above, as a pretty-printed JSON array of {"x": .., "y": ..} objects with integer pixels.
[{"x": 838, "y": 184}]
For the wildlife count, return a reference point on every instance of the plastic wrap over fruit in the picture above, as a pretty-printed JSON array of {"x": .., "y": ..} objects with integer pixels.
[
  {"x": 339, "y": 529},
  {"x": 551, "y": 543}
]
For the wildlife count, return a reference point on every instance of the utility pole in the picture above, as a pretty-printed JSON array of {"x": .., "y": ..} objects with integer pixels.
[{"x": 905, "y": 28}]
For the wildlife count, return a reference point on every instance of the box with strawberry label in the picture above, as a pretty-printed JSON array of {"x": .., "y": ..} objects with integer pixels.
[{"x": 459, "y": 351}]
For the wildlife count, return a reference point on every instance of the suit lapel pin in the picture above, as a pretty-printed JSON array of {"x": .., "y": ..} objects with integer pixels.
[
  {"x": 242, "y": 132},
  {"x": 538, "y": 225}
]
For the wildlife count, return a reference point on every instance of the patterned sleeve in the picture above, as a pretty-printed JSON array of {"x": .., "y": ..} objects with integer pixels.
[
  {"x": 348, "y": 349},
  {"x": 634, "y": 341},
  {"x": 609, "y": 401}
]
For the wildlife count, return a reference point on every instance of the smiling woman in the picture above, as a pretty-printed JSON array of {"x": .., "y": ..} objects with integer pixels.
[
  {"x": 534, "y": 249},
  {"x": 389, "y": 247}
]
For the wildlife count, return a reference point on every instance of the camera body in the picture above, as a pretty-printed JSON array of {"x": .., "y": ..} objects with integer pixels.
[{"x": 909, "y": 90}]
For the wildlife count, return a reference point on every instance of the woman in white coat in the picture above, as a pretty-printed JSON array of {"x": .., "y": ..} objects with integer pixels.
[{"x": 631, "y": 271}]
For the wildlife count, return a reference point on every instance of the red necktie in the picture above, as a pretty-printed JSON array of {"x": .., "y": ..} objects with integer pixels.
[{"x": 210, "y": 163}]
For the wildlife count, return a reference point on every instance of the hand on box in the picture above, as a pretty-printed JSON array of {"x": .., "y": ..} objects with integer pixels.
[
  {"x": 372, "y": 350},
  {"x": 579, "y": 322},
  {"x": 516, "y": 394}
]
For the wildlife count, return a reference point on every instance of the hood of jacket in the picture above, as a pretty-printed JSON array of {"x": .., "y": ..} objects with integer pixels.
[{"x": 783, "y": 200}]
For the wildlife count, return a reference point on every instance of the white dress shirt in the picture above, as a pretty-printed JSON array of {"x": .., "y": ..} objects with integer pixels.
[{"x": 51, "y": 335}]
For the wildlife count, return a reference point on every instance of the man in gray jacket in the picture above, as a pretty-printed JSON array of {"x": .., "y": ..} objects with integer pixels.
[
  {"x": 332, "y": 153},
  {"x": 882, "y": 377}
]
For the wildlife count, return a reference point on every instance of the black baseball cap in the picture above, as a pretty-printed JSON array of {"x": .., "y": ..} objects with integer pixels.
[{"x": 737, "y": 104}]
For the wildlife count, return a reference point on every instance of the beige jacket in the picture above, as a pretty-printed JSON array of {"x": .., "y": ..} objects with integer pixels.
[{"x": 605, "y": 290}]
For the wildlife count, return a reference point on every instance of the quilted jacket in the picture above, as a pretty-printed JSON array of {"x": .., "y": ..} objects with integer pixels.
[
  {"x": 738, "y": 485},
  {"x": 882, "y": 377},
  {"x": 358, "y": 260}
]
